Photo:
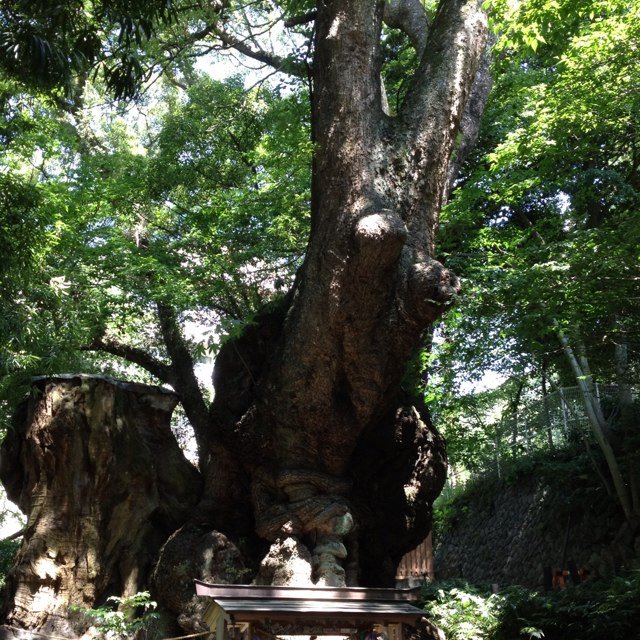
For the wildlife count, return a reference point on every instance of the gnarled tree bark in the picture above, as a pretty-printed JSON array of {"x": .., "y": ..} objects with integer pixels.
[
  {"x": 95, "y": 466},
  {"x": 326, "y": 387},
  {"x": 311, "y": 444}
]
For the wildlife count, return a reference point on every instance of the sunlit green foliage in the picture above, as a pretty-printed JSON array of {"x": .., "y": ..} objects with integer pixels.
[
  {"x": 231, "y": 179},
  {"x": 591, "y": 611},
  {"x": 463, "y": 613},
  {"x": 32, "y": 218},
  {"x": 200, "y": 203},
  {"x": 212, "y": 214},
  {"x": 122, "y": 617},
  {"x": 544, "y": 223}
]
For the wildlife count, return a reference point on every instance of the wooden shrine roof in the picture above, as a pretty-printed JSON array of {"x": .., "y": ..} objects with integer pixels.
[{"x": 249, "y": 603}]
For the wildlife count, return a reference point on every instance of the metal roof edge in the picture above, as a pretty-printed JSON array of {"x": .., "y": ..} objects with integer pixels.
[{"x": 311, "y": 592}]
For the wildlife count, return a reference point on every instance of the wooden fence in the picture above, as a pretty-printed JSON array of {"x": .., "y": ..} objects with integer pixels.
[{"x": 417, "y": 565}]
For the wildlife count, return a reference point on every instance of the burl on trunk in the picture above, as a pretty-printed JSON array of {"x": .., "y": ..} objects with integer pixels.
[{"x": 311, "y": 446}]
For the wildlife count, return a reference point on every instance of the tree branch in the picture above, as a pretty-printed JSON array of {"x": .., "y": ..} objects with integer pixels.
[
  {"x": 442, "y": 84},
  {"x": 472, "y": 115},
  {"x": 411, "y": 18},
  {"x": 184, "y": 379},
  {"x": 305, "y": 18},
  {"x": 15, "y": 535},
  {"x": 271, "y": 59},
  {"x": 138, "y": 356},
  {"x": 425, "y": 132}
]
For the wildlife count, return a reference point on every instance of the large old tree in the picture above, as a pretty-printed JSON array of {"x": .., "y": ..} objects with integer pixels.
[{"x": 311, "y": 444}]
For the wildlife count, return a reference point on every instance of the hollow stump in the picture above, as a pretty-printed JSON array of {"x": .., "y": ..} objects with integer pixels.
[{"x": 93, "y": 464}]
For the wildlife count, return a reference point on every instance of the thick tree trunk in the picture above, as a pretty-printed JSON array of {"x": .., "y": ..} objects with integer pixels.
[
  {"x": 325, "y": 390},
  {"x": 314, "y": 447},
  {"x": 94, "y": 465}
]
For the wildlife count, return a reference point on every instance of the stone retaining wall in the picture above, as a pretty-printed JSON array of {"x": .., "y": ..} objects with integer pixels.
[{"x": 506, "y": 533}]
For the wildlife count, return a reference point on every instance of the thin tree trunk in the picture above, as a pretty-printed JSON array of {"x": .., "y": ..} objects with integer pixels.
[
  {"x": 545, "y": 407},
  {"x": 184, "y": 380},
  {"x": 567, "y": 409},
  {"x": 587, "y": 378},
  {"x": 496, "y": 443},
  {"x": 514, "y": 406},
  {"x": 597, "y": 426},
  {"x": 628, "y": 418}
]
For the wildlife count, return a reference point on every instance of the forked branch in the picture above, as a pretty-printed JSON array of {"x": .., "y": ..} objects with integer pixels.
[{"x": 410, "y": 17}]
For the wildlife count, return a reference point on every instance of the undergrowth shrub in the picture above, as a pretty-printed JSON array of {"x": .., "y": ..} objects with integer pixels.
[
  {"x": 462, "y": 611},
  {"x": 122, "y": 617},
  {"x": 597, "y": 610},
  {"x": 8, "y": 551}
]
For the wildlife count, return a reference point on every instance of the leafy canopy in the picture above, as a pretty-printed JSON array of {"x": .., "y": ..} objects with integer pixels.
[
  {"x": 543, "y": 226},
  {"x": 198, "y": 201}
]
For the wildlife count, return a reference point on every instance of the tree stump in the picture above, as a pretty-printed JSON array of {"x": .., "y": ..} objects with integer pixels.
[{"x": 93, "y": 464}]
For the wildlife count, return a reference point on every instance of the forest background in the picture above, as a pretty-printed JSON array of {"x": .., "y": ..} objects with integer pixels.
[
  {"x": 196, "y": 197},
  {"x": 187, "y": 204}
]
